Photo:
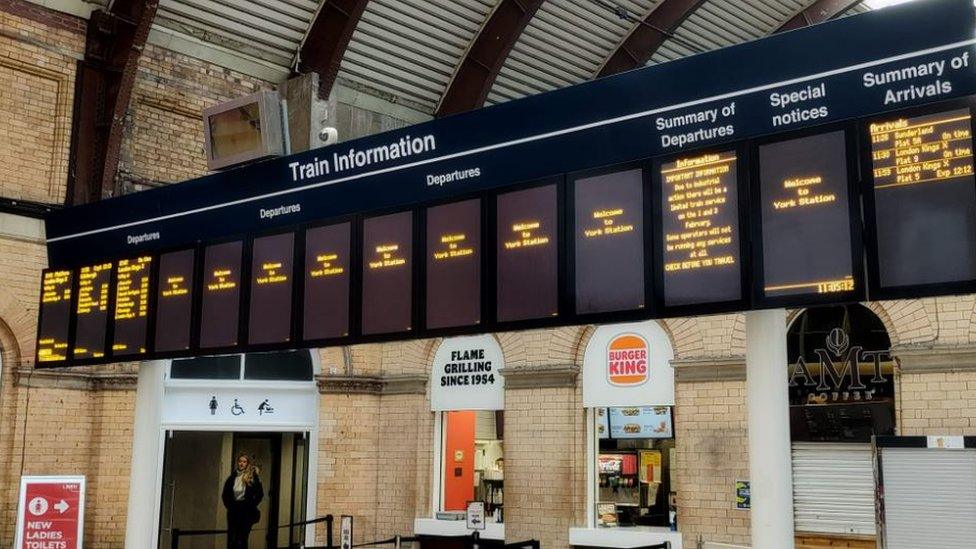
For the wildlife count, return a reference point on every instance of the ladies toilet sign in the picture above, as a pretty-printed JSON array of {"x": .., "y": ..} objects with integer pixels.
[{"x": 50, "y": 512}]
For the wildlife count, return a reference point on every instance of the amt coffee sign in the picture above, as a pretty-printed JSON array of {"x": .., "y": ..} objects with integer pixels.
[{"x": 627, "y": 360}]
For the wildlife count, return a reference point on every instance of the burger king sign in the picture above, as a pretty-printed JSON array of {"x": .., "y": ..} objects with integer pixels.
[
  {"x": 627, "y": 360},
  {"x": 628, "y": 365}
]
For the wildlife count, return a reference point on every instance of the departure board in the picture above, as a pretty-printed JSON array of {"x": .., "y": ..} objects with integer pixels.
[
  {"x": 174, "y": 301},
  {"x": 131, "y": 310},
  {"x": 55, "y": 315},
  {"x": 609, "y": 242},
  {"x": 454, "y": 264},
  {"x": 271, "y": 284},
  {"x": 221, "y": 295},
  {"x": 700, "y": 229},
  {"x": 527, "y": 252},
  {"x": 388, "y": 273},
  {"x": 326, "y": 294},
  {"x": 924, "y": 198},
  {"x": 91, "y": 311},
  {"x": 806, "y": 217}
]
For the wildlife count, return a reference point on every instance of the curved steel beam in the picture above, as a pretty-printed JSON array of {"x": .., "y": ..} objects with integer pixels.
[
  {"x": 479, "y": 67},
  {"x": 327, "y": 39},
  {"x": 659, "y": 25},
  {"x": 818, "y": 12},
  {"x": 113, "y": 45}
]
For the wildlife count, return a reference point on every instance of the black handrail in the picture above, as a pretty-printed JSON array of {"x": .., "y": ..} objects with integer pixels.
[{"x": 177, "y": 533}]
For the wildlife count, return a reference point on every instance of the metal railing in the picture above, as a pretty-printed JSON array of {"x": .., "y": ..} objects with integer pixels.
[
  {"x": 177, "y": 533},
  {"x": 702, "y": 544}
]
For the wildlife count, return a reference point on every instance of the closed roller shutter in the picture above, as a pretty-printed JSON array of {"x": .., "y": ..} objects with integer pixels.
[
  {"x": 929, "y": 498},
  {"x": 833, "y": 488}
]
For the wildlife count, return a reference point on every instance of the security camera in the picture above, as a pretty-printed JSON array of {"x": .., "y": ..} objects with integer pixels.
[{"x": 329, "y": 135}]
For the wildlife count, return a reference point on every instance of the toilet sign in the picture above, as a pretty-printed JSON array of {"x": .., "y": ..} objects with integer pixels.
[{"x": 50, "y": 512}]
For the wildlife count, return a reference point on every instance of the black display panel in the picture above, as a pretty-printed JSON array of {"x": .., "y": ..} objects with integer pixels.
[
  {"x": 388, "y": 274},
  {"x": 924, "y": 201},
  {"x": 54, "y": 324},
  {"x": 174, "y": 301},
  {"x": 131, "y": 307},
  {"x": 454, "y": 264},
  {"x": 700, "y": 240},
  {"x": 609, "y": 242},
  {"x": 326, "y": 294},
  {"x": 91, "y": 311},
  {"x": 221, "y": 295},
  {"x": 808, "y": 242},
  {"x": 527, "y": 252},
  {"x": 271, "y": 285}
]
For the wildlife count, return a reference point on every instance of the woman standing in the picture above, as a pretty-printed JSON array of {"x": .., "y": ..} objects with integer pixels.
[{"x": 242, "y": 494}]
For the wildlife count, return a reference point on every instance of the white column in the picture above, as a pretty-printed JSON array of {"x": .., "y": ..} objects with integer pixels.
[
  {"x": 770, "y": 468},
  {"x": 147, "y": 455}
]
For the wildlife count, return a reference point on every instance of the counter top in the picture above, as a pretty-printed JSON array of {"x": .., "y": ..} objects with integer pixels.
[
  {"x": 434, "y": 527},
  {"x": 623, "y": 537}
]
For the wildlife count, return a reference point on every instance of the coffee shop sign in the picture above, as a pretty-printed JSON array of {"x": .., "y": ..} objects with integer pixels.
[{"x": 838, "y": 362}]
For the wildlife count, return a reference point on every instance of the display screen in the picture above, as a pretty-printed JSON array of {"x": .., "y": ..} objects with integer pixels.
[
  {"x": 640, "y": 422},
  {"x": 326, "y": 301},
  {"x": 700, "y": 236},
  {"x": 174, "y": 301},
  {"x": 272, "y": 274},
  {"x": 221, "y": 295},
  {"x": 52, "y": 334},
  {"x": 806, "y": 218},
  {"x": 91, "y": 311},
  {"x": 924, "y": 198},
  {"x": 388, "y": 273},
  {"x": 131, "y": 306},
  {"x": 528, "y": 254},
  {"x": 609, "y": 229},
  {"x": 454, "y": 264}
]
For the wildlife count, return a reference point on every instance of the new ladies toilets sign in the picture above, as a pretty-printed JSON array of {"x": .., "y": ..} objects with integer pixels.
[
  {"x": 826, "y": 165},
  {"x": 50, "y": 512}
]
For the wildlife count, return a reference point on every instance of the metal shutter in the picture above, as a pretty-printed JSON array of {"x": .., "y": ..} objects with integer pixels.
[
  {"x": 833, "y": 488},
  {"x": 929, "y": 498}
]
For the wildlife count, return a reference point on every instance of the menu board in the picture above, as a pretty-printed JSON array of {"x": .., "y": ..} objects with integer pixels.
[
  {"x": 221, "y": 295},
  {"x": 641, "y": 422},
  {"x": 131, "y": 310},
  {"x": 609, "y": 242},
  {"x": 174, "y": 301},
  {"x": 326, "y": 299},
  {"x": 806, "y": 217},
  {"x": 55, "y": 315},
  {"x": 602, "y": 423},
  {"x": 271, "y": 284},
  {"x": 91, "y": 311},
  {"x": 388, "y": 273},
  {"x": 924, "y": 198},
  {"x": 527, "y": 254},
  {"x": 454, "y": 264},
  {"x": 700, "y": 229}
]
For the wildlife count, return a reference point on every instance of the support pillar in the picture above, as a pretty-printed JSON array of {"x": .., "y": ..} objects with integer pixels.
[
  {"x": 147, "y": 455},
  {"x": 770, "y": 469}
]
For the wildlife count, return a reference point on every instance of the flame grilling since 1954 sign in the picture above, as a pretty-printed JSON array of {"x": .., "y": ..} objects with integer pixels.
[
  {"x": 466, "y": 375},
  {"x": 628, "y": 365}
]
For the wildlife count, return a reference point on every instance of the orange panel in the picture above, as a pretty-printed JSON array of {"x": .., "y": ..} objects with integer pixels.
[{"x": 458, "y": 473}]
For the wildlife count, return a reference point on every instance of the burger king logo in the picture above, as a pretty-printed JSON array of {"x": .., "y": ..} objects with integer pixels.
[{"x": 627, "y": 360}]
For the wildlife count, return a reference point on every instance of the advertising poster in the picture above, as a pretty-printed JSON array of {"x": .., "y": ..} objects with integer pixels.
[
  {"x": 743, "y": 494},
  {"x": 602, "y": 423},
  {"x": 640, "y": 422},
  {"x": 650, "y": 466}
]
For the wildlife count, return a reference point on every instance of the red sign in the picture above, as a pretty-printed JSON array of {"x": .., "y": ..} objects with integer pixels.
[
  {"x": 50, "y": 513},
  {"x": 627, "y": 360}
]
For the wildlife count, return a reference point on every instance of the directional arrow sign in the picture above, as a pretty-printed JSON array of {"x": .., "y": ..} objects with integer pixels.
[{"x": 61, "y": 506}]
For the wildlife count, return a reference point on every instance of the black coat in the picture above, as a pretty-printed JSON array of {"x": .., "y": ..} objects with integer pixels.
[{"x": 247, "y": 508}]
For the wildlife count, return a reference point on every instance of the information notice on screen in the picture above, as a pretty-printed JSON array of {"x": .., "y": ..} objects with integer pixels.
[
  {"x": 609, "y": 242},
  {"x": 527, "y": 253},
  {"x": 700, "y": 229},
  {"x": 221, "y": 295},
  {"x": 326, "y": 301},
  {"x": 55, "y": 316},
  {"x": 272, "y": 271},
  {"x": 388, "y": 273},
  {"x": 174, "y": 301},
  {"x": 131, "y": 310},
  {"x": 806, "y": 218},
  {"x": 91, "y": 311},
  {"x": 924, "y": 198},
  {"x": 454, "y": 264}
]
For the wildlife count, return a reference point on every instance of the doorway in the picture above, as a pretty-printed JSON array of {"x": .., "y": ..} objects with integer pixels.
[{"x": 195, "y": 466}]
